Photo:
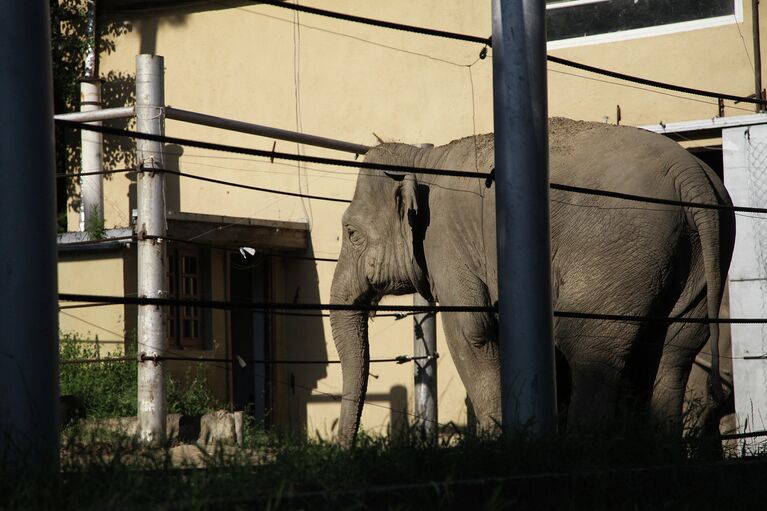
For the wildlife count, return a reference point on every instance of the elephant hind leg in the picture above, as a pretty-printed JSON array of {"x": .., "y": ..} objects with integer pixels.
[
  {"x": 682, "y": 343},
  {"x": 603, "y": 391},
  {"x": 564, "y": 388}
]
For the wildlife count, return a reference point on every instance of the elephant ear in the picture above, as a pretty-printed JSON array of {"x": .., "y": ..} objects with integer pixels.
[{"x": 405, "y": 194}]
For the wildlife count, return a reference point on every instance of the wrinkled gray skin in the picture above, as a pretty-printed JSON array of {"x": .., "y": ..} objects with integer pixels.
[{"x": 436, "y": 235}]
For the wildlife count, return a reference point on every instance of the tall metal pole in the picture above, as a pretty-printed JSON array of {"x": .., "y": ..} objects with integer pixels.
[
  {"x": 91, "y": 187},
  {"x": 757, "y": 53},
  {"x": 425, "y": 344},
  {"x": 29, "y": 383},
  {"x": 150, "y": 195},
  {"x": 528, "y": 391}
]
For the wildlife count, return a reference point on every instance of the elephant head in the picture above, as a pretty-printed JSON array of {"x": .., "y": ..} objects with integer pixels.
[{"x": 381, "y": 254}]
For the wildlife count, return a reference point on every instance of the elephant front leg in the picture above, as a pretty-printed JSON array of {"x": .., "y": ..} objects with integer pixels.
[{"x": 473, "y": 344}]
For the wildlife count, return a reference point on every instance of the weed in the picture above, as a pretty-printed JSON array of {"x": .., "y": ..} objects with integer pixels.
[
  {"x": 109, "y": 389},
  {"x": 94, "y": 226},
  {"x": 106, "y": 389}
]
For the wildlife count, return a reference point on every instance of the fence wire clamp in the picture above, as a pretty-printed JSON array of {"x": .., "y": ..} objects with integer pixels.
[
  {"x": 402, "y": 359},
  {"x": 483, "y": 53},
  {"x": 490, "y": 178},
  {"x": 274, "y": 146},
  {"x": 150, "y": 168},
  {"x": 141, "y": 235},
  {"x": 154, "y": 358}
]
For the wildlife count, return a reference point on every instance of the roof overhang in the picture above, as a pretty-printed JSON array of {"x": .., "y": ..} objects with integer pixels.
[
  {"x": 81, "y": 241},
  {"x": 705, "y": 128},
  {"x": 129, "y": 6},
  {"x": 235, "y": 232},
  {"x": 216, "y": 230}
]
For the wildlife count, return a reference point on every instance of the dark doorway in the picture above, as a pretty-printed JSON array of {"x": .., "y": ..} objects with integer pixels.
[
  {"x": 247, "y": 283},
  {"x": 711, "y": 156}
]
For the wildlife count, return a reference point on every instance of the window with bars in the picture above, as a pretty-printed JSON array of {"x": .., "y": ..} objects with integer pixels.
[
  {"x": 185, "y": 328},
  {"x": 570, "y": 19}
]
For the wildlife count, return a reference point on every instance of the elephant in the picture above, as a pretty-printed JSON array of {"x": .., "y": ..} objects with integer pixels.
[{"x": 410, "y": 232}]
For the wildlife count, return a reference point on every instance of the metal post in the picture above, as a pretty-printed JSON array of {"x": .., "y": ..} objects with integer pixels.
[
  {"x": 528, "y": 391},
  {"x": 757, "y": 54},
  {"x": 91, "y": 187},
  {"x": 150, "y": 194},
  {"x": 29, "y": 388},
  {"x": 425, "y": 344}
]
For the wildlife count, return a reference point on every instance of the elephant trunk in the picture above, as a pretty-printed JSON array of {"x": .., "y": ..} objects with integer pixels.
[{"x": 350, "y": 333}]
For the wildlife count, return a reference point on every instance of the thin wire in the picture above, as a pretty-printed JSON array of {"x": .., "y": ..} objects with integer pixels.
[
  {"x": 488, "y": 42},
  {"x": 745, "y": 48},
  {"x": 269, "y": 154},
  {"x": 223, "y": 247},
  {"x": 60, "y": 175},
  {"x": 653, "y": 200},
  {"x": 448, "y": 486},
  {"x": 653, "y": 83},
  {"x": 78, "y": 361},
  {"x": 341, "y": 34},
  {"x": 228, "y": 305},
  {"x": 377, "y": 23},
  {"x": 101, "y": 241},
  {"x": 653, "y": 91},
  {"x": 254, "y": 188},
  {"x": 91, "y": 324},
  {"x": 297, "y": 91},
  {"x": 400, "y": 168},
  {"x": 229, "y": 248},
  {"x": 81, "y": 306},
  {"x": 339, "y": 397},
  {"x": 400, "y": 359}
]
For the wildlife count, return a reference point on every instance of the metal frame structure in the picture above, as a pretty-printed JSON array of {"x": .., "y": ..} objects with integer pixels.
[{"x": 526, "y": 337}]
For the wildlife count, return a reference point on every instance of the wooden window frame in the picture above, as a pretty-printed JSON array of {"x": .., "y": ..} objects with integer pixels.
[{"x": 185, "y": 274}]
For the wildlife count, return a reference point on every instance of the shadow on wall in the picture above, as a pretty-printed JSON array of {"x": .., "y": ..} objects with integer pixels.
[
  {"x": 172, "y": 155},
  {"x": 130, "y": 287},
  {"x": 148, "y": 28},
  {"x": 298, "y": 337},
  {"x": 171, "y": 161},
  {"x": 147, "y": 20},
  {"x": 117, "y": 90},
  {"x": 304, "y": 337},
  {"x": 396, "y": 401}
]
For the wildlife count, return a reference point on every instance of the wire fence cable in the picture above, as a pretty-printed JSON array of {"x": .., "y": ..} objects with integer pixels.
[
  {"x": 488, "y": 176},
  {"x": 487, "y": 41},
  {"x": 229, "y": 305},
  {"x": 270, "y": 154},
  {"x": 378, "y": 23}
]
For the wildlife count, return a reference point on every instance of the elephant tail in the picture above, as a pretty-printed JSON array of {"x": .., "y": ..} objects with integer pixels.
[{"x": 716, "y": 234}]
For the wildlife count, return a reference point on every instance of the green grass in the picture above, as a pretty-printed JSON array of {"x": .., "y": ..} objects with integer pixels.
[
  {"x": 637, "y": 471},
  {"x": 108, "y": 389},
  {"x": 625, "y": 466}
]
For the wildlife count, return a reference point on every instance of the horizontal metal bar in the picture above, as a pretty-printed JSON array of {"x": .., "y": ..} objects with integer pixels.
[
  {"x": 571, "y": 3},
  {"x": 97, "y": 115},
  {"x": 704, "y": 125},
  {"x": 263, "y": 131}
]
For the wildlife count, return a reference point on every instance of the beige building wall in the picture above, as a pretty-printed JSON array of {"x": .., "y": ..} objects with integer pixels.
[
  {"x": 272, "y": 66},
  {"x": 89, "y": 274}
]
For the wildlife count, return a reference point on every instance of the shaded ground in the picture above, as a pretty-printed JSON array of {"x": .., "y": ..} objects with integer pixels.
[{"x": 631, "y": 472}]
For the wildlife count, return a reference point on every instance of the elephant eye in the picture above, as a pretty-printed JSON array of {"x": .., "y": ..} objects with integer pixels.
[{"x": 355, "y": 236}]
